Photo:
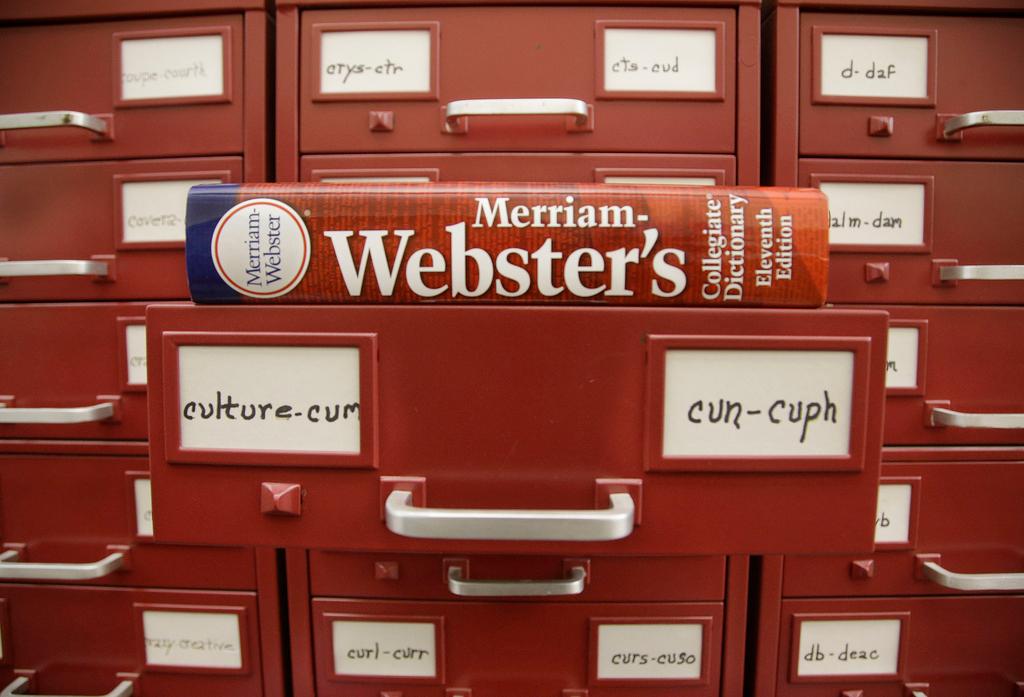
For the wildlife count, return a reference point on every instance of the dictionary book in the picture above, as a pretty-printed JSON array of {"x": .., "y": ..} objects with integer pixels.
[{"x": 507, "y": 243}]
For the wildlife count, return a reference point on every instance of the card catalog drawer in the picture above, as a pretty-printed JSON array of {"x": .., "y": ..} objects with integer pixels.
[
  {"x": 911, "y": 86},
  {"x": 441, "y": 577},
  {"x": 961, "y": 518},
  {"x": 603, "y": 424},
  {"x": 100, "y": 230},
  {"x": 87, "y": 641},
  {"x": 364, "y": 648},
  {"x": 73, "y": 371},
  {"x": 702, "y": 170},
  {"x": 90, "y": 519},
  {"x": 152, "y": 88},
  {"x": 889, "y": 647},
  {"x": 952, "y": 376},
  {"x": 567, "y": 79},
  {"x": 904, "y": 232}
]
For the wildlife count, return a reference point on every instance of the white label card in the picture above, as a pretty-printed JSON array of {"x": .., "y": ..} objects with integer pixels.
[
  {"x": 144, "y": 507},
  {"x": 876, "y": 214},
  {"x": 901, "y": 360},
  {"x": 135, "y": 351},
  {"x": 172, "y": 67},
  {"x": 269, "y": 398},
  {"x": 892, "y": 521},
  {"x": 670, "y": 181},
  {"x": 192, "y": 639},
  {"x": 723, "y": 402},
  {"x": 649, "y": 651},
  {"x": 393, "y": 649},
  {"x": 660, "y": 60},
  {"x": 854, "y": 65},
  {"x": 358, "y": 62},
  {"x": 849, "y": 647},
  {"x": 155, "y": 211}
]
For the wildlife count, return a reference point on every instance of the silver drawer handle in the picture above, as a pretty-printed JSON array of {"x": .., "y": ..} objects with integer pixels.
[
  {"x": 53, "y": 119},
  {"x": 982, "y": 273},
  {"x": 19, "y": 685},
  {"x": 10, "y": 568},
  {"x": 53, "y": 267},
  {"x": 975, "y": 119},
  {"x": 613, "y": 523},
  {"x": 65, "y": 415},
  {"x": 491, "y": 589},
  {"x": 960, "y": 419},
  {"x": 515, "y": 107},
  {"x": 971, "y": 582}
]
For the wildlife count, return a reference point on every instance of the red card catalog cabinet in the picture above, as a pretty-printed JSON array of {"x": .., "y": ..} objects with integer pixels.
[
  {"x": 516, "y": 430},
  {"x": 73, "y": 371},
  {"x": 953, "y": 376},
  {"x": 87, "y": 641}
]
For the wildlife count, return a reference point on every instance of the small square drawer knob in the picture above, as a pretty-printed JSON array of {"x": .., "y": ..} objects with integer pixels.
[
  {"x": 281, "y": 498},
  {"x": 881, "y": 126},
  {"x": 862, "y": 568}
]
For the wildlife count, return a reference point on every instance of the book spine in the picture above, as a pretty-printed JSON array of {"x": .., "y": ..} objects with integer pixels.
[{"x": 512, "y": 243}]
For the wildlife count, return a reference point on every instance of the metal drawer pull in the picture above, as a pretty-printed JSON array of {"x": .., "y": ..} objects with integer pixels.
[
  {"x": 612, "y": 523},
  {"x": 982, "y": 273},
  {"x": 29, "y": 571},
  {"x": 491, "y": 589},
  {"x": 53, "y": 119},
  {"x": 960, "y": 419},
  {"x": 971, "y": 582},
  {"x": 66, "y": 415},
  {"x": 54, "y": 267},
  {"x": 19, "y": 685},
  {"x": 974, "y": 119},
  {"x": 515, "y": 107}
]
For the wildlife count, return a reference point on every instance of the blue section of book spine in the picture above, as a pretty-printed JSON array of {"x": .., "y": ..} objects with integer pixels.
[{"x": 207, "y": 204}]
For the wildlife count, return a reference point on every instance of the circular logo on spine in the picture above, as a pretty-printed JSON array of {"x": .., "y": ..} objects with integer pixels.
[{"x": 261, "y": 248}]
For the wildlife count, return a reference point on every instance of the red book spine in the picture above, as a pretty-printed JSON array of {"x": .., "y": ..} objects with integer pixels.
[{"x": 508, "y": 243}]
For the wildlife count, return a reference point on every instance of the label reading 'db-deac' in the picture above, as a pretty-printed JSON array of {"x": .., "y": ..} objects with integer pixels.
[
  {"x": 269, "y": 398},
  {"x": 393, "y": 649},
  {"x": 849, "y": 647},
  {"x": 723, "y": 402},
  {"x": 192, "y": 639},
  {"x": 649, "y": 651}
]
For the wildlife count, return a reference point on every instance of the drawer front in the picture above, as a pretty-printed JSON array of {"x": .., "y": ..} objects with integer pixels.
[
  {"x": 889, "y": 646},
  {"x": 957, "y": 360},
  {"x": 899, "y": 86},
  {"x": 85, "y": 641},
  {"x": 961, "y": 516},
  {"x": 898, "y": 227},
  {"x": 127, "y": 216},
  {"x": 75, "y": 356},
  {"x": 114, "y": 517},
  {"x": 656, "y": 649},
  {"x": 148, "y": 88},
  {"x": 571, "y": 410},
  {"x": 703, "y": 170},
  {"x": 596, "y": 79},
  {"x": 430, "y": 577}
]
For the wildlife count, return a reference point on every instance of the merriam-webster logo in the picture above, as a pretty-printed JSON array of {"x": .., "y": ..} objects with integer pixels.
[{"x": 261, "y": 248}]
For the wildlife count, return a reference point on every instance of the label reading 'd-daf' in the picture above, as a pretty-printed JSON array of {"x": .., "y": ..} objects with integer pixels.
[
  {"x": 721, "y": 402},
  {"x": 854, "y": 65},
  {"x": 649, "y": 651},
  {"x": 394, "y": 649},
  {"x": 227, "y": 403},
  {"x": 849, "y": 647},
  {"x": 192, "y": 639}
]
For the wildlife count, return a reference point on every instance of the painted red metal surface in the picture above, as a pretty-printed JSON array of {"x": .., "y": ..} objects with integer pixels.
[
  {"x": 964, "y": 511},
  {"x": 117, "y": 9},
  {"x": 974, "y": 70},
  {"x": 548, "y": 421},
  {"x": 72, "y": 355},
  {"x": 720, "y": 170},
  {"x": 38, "y": 57},
  {"x": 86, "y": 640},
  {"x": 72, "y": 509},
  {"x": 953, "y": 233},
  {"x": 50, "y": 200}
]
